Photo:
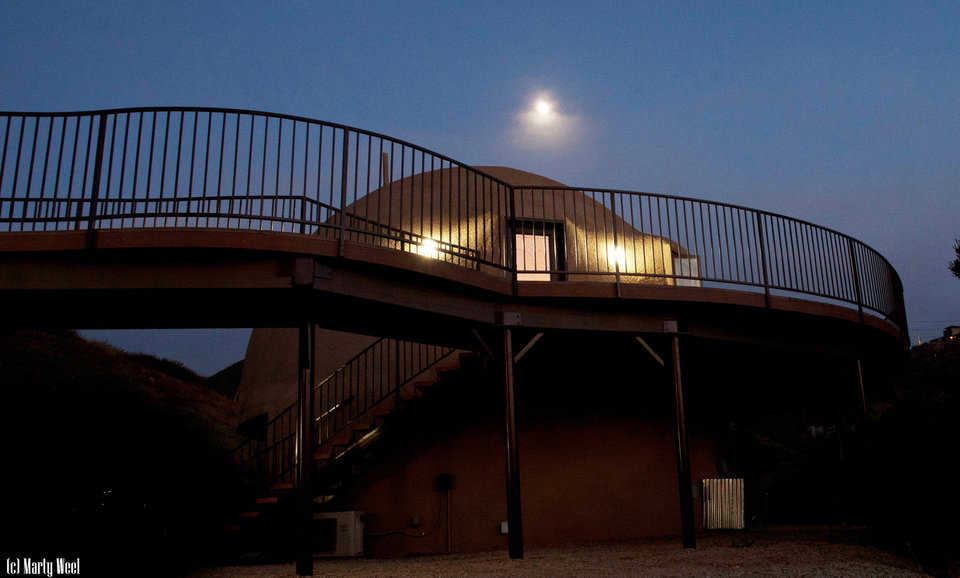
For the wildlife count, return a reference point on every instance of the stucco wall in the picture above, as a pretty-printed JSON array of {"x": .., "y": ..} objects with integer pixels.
[
  {"x": 604, "y": 479},
  {"x": 269, "y": 381}
]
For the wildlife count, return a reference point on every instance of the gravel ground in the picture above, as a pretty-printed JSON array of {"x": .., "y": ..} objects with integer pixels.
[{"x": 779, "y": 553}]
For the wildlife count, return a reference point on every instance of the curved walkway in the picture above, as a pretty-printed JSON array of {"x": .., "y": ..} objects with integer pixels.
[{"x": 211, "y": 180}]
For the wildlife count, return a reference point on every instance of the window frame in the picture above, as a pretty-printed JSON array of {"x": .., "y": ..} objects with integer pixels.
[{"x": 553, "y": 230}]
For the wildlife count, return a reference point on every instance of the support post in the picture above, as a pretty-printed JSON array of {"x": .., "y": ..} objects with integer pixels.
[
  {"x": 304, "y": 453},
  {"x": 683, "y": 455},
  {"x": 863, "y": 395},
  {"x": 514, "y": 514},
  {"x": 511, "y": 243}
]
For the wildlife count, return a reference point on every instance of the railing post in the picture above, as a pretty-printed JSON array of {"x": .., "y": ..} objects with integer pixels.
[
  {"x": 344, "y": 168},
  {"x": 763, "y": 260},
  {"x": 95, "y": 193},
  {"x": 303, "y": 214},
  {"x": 616, "y": 245},
  {"x": 396, "y": 369},
  {"x": 512, "y": 238},
  {"x": 856, "y": 276}
]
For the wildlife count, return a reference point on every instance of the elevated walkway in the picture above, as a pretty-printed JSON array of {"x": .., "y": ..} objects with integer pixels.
[{"x": 201, "y": 217}]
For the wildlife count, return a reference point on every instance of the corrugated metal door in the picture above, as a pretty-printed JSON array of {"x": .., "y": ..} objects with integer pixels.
[{"x": 723, "y": 504}]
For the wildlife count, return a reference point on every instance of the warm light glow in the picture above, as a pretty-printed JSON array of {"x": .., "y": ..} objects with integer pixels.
[
  {"x": 543, "y": 107},
  {"x": 617, "y": 257},
  {"x": 429, "y": 248},
  {"x": 533, "y": 254}
]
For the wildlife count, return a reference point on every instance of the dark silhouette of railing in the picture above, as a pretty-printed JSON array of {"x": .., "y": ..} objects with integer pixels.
[
  {"x": 375, "y": 373},
  {"x": 238, "y": 169},
  {"x": 270, "y": 457}
]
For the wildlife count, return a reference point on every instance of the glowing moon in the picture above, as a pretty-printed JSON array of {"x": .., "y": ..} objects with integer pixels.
[{"x": 543, "y": 123}]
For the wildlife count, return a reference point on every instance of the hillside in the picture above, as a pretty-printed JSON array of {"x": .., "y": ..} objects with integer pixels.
[{"x": 117, "y": 454}]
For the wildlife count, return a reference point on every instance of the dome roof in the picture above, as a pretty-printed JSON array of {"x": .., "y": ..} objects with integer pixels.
[{"x": 518, "y": 178}]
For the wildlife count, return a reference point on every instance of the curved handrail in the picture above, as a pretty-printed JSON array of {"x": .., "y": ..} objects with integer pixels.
[{"x": 245, "y": 169}]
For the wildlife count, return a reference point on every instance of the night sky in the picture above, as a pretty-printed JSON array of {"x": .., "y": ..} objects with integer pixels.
[{"x": 845, "y": 114}]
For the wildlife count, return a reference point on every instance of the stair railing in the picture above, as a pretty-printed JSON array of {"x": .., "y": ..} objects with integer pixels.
[{"x": 375, "y": 373}]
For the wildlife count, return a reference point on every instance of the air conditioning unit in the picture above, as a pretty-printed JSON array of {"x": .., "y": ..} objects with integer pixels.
[
  {"x": 338, "y": 533},
  {"x": 723, "y": 504}
]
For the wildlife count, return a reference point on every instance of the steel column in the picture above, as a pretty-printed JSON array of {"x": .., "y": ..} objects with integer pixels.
[
  {"x": 683, "y": 455},
  {"x": 514, "y": 514},
  {"x": 863, "y": 395},
  {"x": 304, "y": 453}
]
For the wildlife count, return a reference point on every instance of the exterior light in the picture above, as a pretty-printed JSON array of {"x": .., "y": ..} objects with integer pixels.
[
  {"x": 617, "y": 257},
  {"x": 429, "y": 248}
]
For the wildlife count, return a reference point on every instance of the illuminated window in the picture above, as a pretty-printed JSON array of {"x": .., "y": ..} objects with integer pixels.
[
  {"x": 539, "y": 250},
  {"x": 688, "y": 266}
]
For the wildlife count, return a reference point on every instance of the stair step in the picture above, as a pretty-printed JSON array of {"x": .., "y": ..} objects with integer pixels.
[
  {"x": 268, "y": 500},
  {"x": 232, "y": 528},
  {"x": 249, "y": 515},
  {"x": 367, "y": 436},
  {"x": 282, "y": 487}
]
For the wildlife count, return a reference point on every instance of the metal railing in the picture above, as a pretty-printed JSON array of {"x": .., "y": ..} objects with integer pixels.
[
  {"x": 233, "y": 169},
  {"x": 375, "y": 373},
  {"x": 271, "y": 458},
  {"x": 187, "y": 167},
  {"x": 569, "y": 234}
]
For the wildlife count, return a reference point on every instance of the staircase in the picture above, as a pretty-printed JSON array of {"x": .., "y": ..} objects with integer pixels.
[{"x": 353, "y": 407}]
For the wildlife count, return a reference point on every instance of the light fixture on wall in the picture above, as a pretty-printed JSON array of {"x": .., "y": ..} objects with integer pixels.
[
  {"x": 429, "y": 248},
  {"x": 617, "y": 257}
]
